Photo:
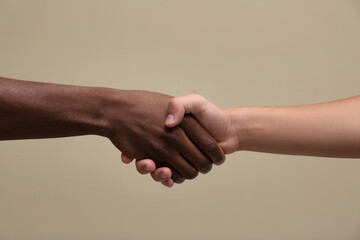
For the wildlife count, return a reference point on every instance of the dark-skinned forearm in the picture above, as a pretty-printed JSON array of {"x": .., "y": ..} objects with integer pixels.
[{"x": 41, "y": 110}]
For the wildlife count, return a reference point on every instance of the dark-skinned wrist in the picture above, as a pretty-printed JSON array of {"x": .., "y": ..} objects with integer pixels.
[{"x": 101, "y": 103}]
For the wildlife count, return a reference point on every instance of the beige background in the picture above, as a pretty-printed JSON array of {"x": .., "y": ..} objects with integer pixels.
[{"x": 235, "y": 53}]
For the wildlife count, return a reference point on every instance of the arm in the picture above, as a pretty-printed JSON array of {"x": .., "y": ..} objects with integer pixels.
[
  {"x": 132, "y": 120},
  {"x": 328, "y": 129}
]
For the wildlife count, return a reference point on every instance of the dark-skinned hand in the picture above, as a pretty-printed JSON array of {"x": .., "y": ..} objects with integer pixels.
[{"x": 137, "y": 129}]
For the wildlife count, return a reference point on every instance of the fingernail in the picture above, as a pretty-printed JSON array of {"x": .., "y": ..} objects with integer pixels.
[
  {"x": 163, "y": 175},
  {"x": 147, "y": 169},
  {"x": 169, "y": 119}
]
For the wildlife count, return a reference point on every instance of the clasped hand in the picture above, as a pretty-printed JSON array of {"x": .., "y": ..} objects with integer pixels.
[
  {"x": 215, "y": 121},
  {"x": 179, "y": 152}
]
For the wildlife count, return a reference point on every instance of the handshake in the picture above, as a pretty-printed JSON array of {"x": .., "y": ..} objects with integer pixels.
[
  {"x": 176, "y": 138},
  {"x": 165, "y": 137}
]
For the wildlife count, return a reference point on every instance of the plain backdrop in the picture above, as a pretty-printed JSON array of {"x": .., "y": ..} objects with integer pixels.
[{"x": 235, "y": 53}]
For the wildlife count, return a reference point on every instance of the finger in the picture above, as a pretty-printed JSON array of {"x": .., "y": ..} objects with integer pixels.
[
  {"x": 177, "y": 107},
  {"x": 145, "y": 166},
  {"x": 168, "y": 183},
  {"x": 202, "y": 139},
  {"x": 183, "y": 167},
  {"x": 177, "y": 178},
  {"x": 161, "y": 174},
  {"x": 126, "y": 159},
  {"x": 194, "y": 156},
  {"x": 175, "y": 175}
]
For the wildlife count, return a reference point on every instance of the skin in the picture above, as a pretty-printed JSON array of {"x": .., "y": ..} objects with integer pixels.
[
  {"x": 132, "y": 120},
  {"x": 327, "y": 129}
]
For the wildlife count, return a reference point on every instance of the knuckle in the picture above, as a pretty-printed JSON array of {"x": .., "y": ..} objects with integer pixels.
[
  {"x": 159, "y": 149},
  {"x": 214, "y": 151},
  {"x": 210, "y": 146},
  {"x": 172, "y": 102},
  {"x": 199, "y": 98}
]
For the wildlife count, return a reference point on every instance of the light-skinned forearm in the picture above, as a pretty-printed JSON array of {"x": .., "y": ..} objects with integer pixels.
[{"x": 328, "y": 129}]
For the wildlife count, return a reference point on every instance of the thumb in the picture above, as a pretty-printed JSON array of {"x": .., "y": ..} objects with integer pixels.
[{"x": 179, "y": 106}]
